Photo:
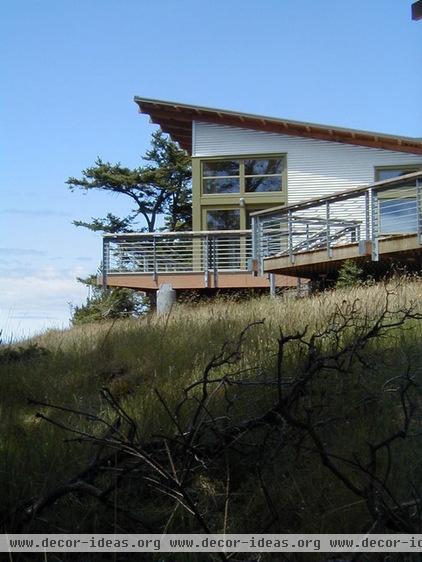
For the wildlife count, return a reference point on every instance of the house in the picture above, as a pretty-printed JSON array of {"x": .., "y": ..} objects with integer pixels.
[{"x": 243, "y": 166}]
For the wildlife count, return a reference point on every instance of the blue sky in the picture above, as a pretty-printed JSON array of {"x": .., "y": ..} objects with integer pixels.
[{"x": 70, "y": 69}]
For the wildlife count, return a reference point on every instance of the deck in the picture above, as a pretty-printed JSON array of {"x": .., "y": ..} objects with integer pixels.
[
  {"x": 376, "y": 225},
  {"x": 204, "y": 261},
  {"x": 400, "y": 250}
]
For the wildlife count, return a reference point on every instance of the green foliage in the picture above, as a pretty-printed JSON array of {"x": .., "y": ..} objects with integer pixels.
[
  {"x": 15, "y": 354},
  {"x": 108, "y": 304},
  {"x": 110, "y": 224},
  {"x": 162, "y": 185},
  {"x": 350, "y": 275}
]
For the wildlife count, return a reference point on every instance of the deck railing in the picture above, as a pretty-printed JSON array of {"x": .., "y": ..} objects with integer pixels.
[
  {"x": 388, "y": 208},
  {"x": 207, "y": 252}
]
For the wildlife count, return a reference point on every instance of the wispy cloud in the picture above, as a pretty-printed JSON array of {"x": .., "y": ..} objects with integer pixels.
[
  {"x": 21, "y": 252},
  {"x": 39, "y": 300},
  {"x": 29, "y": 316},
  {"x": 35, "y": 212}
]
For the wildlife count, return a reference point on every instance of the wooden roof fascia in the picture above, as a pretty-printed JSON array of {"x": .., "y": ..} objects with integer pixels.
[
  {"x": 417, "y": 10},
  {"x": 183, "y": 117}
]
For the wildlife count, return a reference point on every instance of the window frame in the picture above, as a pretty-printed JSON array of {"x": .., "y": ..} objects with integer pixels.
[
  {"x": 208, "y": 209},
  {"x": 384, "y": 197},
  {"x": 242, "y": 176},
  {"x": 407, "y": 167}
]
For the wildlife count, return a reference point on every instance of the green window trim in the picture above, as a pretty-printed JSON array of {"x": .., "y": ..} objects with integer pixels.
[
  {"x": 242, "y": 177},
  {"x": 405, "y": 168}
]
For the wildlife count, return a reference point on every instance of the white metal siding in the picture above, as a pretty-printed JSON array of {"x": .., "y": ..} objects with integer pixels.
[{"x": 314, "y": 167}]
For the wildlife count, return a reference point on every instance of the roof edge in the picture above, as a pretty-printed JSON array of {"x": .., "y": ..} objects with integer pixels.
[{"x": 281, "y": 120}]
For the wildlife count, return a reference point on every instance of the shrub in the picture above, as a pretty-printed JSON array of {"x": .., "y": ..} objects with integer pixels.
[
  {"x": 108, "y": 304},
  {"x": 349, "y": 275}
]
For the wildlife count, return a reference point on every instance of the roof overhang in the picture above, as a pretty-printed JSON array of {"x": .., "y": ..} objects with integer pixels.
[
  {"x": 417, "y": 10},
  {"x": 176, "y": 119}
]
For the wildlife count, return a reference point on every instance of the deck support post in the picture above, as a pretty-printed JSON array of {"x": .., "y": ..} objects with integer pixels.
[
  {"x": 166, "y": 297},
  {"x": 272, "y": 284}
]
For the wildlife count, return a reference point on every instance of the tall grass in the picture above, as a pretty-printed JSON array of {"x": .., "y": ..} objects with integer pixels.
[{"x": 133, "y": 357}]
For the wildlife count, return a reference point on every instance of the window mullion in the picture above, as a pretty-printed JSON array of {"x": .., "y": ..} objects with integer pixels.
[{"x": 242, "y": 177}]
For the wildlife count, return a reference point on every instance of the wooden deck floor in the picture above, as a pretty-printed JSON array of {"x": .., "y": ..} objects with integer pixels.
[
  {"x": 401, "y": 250},
  {"x": 186, "y": 281}
]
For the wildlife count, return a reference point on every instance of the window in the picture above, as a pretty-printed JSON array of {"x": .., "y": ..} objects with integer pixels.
[
  {"x": 397, "y": 214},
  {"x": 245, "y": 175},
  {"x": 222, "y": 219},
  {"x": 263, "y": 175},
  {"x": 221, "y": 176},
  {"x": 388, "y": 173}
]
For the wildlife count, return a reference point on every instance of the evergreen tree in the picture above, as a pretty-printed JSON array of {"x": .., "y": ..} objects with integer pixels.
[
  {"x": 108, "y": 304},
  {"x": 349, "y": 275},
  {"x": 161, "y": 186}
]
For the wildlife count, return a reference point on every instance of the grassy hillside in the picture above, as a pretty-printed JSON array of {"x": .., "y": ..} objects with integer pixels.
[{"x": 313, "y": 386}]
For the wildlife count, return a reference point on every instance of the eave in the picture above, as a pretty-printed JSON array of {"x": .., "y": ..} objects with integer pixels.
[{"x": 176, "y": 119}]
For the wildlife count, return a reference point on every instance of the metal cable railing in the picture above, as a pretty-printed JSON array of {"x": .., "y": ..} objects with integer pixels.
[
  {"x": 177, "y": 252},
  {"x": 384, "y": 209}
]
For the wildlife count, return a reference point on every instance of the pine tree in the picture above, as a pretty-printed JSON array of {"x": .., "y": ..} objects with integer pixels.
[{"x": 161, "y": 186}]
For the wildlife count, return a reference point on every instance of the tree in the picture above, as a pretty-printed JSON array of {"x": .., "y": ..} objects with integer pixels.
[
  {"x": 349, "y": 275},
  {"x": 162, "y": 186},
  {"x": 107, "y": 304}
]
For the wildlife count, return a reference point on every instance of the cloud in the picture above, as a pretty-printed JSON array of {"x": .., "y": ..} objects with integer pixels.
[
  {"x": 29, "y": 316},
  {"x": 30, "y": 304},
  {"x": 35, "y": 212},
  {"x": 21, "y": 252}
]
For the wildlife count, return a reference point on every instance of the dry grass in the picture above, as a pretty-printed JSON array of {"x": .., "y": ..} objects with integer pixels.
[{"x": 132, "y": 357}]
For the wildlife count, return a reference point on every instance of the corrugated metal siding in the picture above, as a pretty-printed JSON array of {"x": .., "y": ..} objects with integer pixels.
[{"x": 315, "y": 167}]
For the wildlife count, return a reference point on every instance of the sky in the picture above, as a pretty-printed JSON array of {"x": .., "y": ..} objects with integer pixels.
[{"x": 69, "y": 70}]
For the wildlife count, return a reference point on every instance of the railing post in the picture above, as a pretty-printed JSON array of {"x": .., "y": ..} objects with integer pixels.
[
  {"x": 154, "y": 265},
  {"x": 327, "y": 220},
  {"x": 259, "y": 245},
  {"x": 205, "y": 244},
  {"x": 105, "y": 264},
  {"x": 307, "y": 236},
  {"x": 254, "y": 223},
  {"x": 290, "y": 236},
  {"x": 215, "y": 261},
  {"x": 367, "y": 215},
  {"x": 418, "y": 209},
  {"x": 374, "y": 225}
]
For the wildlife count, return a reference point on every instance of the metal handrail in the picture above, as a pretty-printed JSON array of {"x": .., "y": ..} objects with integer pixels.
[
  {"x": 154, "y": 253},
  {"x": 182, "y": 233},
  {"x": 389, "y": 207},
  {"x": 341, "y": 195}
]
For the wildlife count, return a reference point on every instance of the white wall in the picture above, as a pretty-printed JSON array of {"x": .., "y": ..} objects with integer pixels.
[{"x": 315, "y": 167}]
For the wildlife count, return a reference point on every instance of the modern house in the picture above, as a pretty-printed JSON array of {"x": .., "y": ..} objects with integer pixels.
[{"x": 252, "y": 169}]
